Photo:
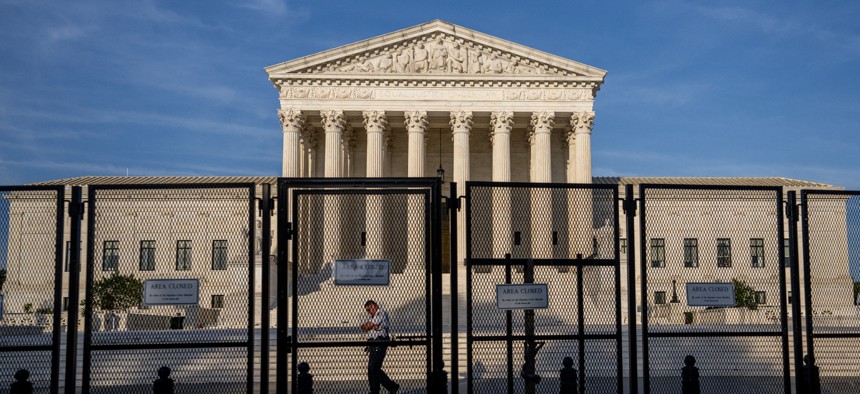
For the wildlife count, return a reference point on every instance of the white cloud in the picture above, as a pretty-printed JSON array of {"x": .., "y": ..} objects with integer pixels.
[{"x": 271, "y": 7}]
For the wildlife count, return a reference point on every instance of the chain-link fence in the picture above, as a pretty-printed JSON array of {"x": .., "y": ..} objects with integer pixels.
[
  {"x": 831, "y": 251},
  {"x": 713, "y": 285},
  {"x": 566, "y": 238},
  {"x": 170, "y": 282}
]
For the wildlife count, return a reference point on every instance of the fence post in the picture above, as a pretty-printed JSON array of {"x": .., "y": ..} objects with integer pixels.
[
  {"x": 630, "y": 216},
  {"x": 76, "y": 207},
  {"x": 791, "y": 214}
]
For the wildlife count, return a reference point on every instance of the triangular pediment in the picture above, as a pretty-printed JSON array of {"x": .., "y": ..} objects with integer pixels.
[{"x": 435, "y": 48}]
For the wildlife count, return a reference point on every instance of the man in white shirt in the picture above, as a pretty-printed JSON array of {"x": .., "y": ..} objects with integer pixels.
[{"x": 377, "y": 328}]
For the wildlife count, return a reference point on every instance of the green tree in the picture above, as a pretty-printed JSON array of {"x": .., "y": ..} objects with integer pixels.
[
  {"x": 744, "y": 295},
  {"x": 2, "y": 278},
  {"x": 117, "y": 292}
]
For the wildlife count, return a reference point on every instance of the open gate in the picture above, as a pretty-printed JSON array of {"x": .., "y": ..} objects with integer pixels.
[{"x": 343, "y": 242}]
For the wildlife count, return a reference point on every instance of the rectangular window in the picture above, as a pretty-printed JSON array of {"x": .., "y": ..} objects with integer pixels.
[
  {"x": 623, "y": 244},
  {"x": 658, "y": 252},
  {"x": 217, "y": 301},
  {"x": 147, "y": 255},
  {"x": 757, "y": 252},
  {"x": 110, "y": 256},
  {"x": 724, "y": 252},
  {"x": 786, "y": 252},
  {"x": 183, "y": 255},
  {"x": 691, "y": 252},
  {"x": 219, "y": 254},
  {"x": 659, "y": 297},
  {"x": 760, "y": 297}
]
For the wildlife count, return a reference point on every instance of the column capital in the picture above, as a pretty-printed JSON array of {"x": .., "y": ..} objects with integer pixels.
[
  {"x": 333, "y": 120},
  {"x": 501, "y": 122},
  {"x": 348, "y": 138},
  {"x": 292, "y": 120},
  {"x": 569, "y": 135},
  {"x": 581, "y": 122},
  {"x": 416, "y": 121},
  {"x": 374, "y": 121},
  {"x": 542, "y": 122},
  {"x": 461, "y": 121}
]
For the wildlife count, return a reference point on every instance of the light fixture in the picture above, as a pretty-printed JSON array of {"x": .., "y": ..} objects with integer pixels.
[
  {"x": 675, "y": 299},
  {"x": 440, "y": 172}
]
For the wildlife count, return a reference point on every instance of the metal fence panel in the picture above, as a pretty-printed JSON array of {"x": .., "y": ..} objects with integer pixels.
[
  {"x": 166, "y": 239},
  {"x": 831, "y": 240},
  {"x": 564, "y": 236},
  {"x": 357, "y": 221},
  {"x": 706, "y": 234},
  {"x": 32, "y": 313}
]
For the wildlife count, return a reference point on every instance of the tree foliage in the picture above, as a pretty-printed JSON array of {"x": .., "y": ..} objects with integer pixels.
[
  {"x": 117, "y": 292},
  {"x": 744, "y": 295},
  {"x": 2, "y": 278}
]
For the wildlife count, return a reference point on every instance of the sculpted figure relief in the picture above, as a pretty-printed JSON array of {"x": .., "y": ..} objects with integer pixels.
[
  {"x": 420, "y": 60},
  {"x": 441, "y": 55}
]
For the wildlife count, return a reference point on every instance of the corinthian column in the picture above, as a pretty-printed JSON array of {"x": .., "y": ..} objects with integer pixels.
[
  {"x": 347, "y": 148},
  {"x": 581, "y": 123},
  {"x": 501, "y": 124},
  {"x": 333, "y": 124},
  {"x": 292, "y": 122},
  {"x": 541, "y": 127},
  {"x": 570, "y": 138},
  {"x": 541, "y": 199},
  {"x": 416, "y": 126},
  {"x": 374, "y": 123},
  {"x": 461, "y": 126},
  {"x": 309, "y": 148}
]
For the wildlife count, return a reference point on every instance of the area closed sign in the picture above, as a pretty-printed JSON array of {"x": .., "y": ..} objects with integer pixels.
[
  {"x": 171, "y": 292},
  {"x": 522, "y": 296},
  {"x": 710, "y": 294}
]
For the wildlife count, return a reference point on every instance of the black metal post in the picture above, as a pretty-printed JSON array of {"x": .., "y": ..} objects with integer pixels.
[
  {"x": 249, "y": 383},
  {"x": 580, "y": 304},
  {"x": 630, "y": 214},
  {"x": 266, "y": 245},
  {"x": 646, "y": 378},
  {"x": 791, "y": 215},
  {"x": 531, "y": 379},
  {"x": 440, "y": 380},
  {"x": 284, "y": 236},
  {"x": 58, "y": 292},
  {"x": 75, "y": 215},
  {"x": 509, "y": 329},
  {"x": 453, "y": 266}
]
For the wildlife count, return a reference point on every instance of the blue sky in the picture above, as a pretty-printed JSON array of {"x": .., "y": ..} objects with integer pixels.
[{"x": 706, "y": 88}]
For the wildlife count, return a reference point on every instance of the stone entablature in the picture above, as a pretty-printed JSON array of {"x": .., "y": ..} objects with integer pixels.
[{"x": 436, "y": 63}]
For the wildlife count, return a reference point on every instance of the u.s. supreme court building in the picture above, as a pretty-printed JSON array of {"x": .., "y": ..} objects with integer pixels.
[{"x": 511, "y": 126}]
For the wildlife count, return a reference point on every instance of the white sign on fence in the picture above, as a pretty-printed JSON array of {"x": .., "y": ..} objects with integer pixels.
[
  {"x": 361, "y": 272},
  {"x": 523, "y": 296},
  {"x": 710, "y": 294},
  {"x": 171, "y": 292}
]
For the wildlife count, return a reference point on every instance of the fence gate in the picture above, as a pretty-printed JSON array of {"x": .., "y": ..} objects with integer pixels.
[
  {"x": 346, "y": 241},
  {"x": 32, "y": 317},
  {"x": 543, "y": 284},
  {"x": 831, "y": 238},
  {"x": 701, "y": 246},
  {"x": 191, "y": 250}
]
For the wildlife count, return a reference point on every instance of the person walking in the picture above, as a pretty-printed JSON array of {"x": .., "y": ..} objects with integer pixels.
[{"x": 377, "y": 328}]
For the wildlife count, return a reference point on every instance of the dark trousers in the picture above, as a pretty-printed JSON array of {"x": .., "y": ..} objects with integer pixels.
[{"x": 375, "y": 375}]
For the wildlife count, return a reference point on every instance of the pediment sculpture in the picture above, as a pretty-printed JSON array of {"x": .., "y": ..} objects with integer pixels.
[{"x": 440, "y": 54}]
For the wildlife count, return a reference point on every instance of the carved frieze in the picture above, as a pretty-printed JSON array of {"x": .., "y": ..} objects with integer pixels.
[
  {"x": 367, "y": 93},
  {"x": 437, "y": 54}
]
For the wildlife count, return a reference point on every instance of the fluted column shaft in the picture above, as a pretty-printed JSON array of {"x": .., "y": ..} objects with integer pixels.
[
  {"x": 570, "y": 138},
  {"x": 416, "y": 127},
  {"x": 541, "y": 125},
  {"x": 292, "y": 122},
  {"x": 374, "y": 123},
  {"x": 333, "y": 124},
  {"x": 502, "y": 123},
  {"x": 461, "y": 127},
  {"x": 582, "y": 123}
]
